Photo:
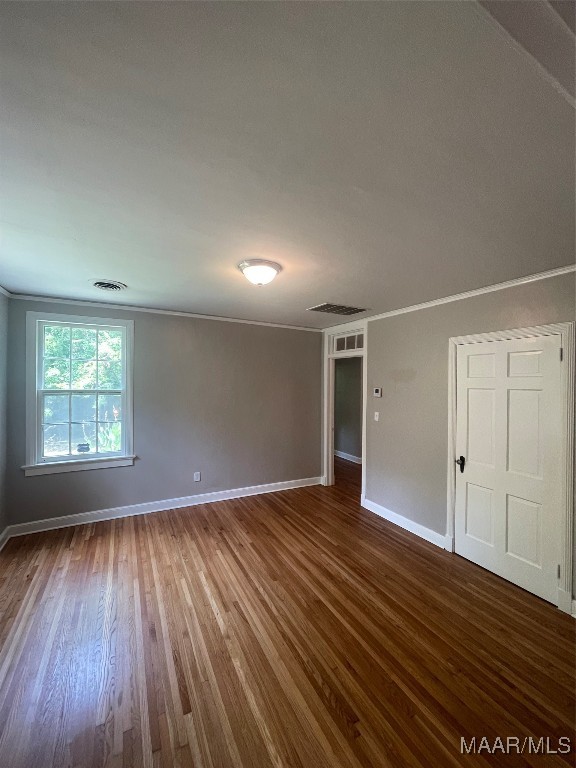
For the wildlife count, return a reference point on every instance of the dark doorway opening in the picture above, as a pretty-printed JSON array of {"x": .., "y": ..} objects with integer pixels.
[{"x": 348, "y": 422}]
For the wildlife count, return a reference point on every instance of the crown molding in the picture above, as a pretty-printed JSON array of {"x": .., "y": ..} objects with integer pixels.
[
  {"x": 148, "y": 310},
  {"x": 467, "y": 294},
  {"x": 330, "y": 329}
]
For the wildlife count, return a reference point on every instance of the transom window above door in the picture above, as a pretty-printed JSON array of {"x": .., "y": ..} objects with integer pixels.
[
  {"x": 79, "y": 391},
  {"x": 347, "y": 342}
]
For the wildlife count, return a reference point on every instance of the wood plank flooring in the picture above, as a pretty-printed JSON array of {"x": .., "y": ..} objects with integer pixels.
[{"x": 285, "y": 630}]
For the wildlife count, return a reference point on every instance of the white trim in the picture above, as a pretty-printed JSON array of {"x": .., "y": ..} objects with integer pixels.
[
  {"x": 327, "y": 412},
  {"x": 451, "y": 473},
  {"x": 439, "y": 539},
  {"x": 82, "y": 518},
  {"x": 4, "y": 536},
  {"x": 364, "y": 410},
  {"x": 567, "y": 333},
  {"x": 348, "y": 457},
  {"x": 151, "y": 310},
  {"x": 73, "y": 465},
  {"x": 530, "y": 332},
  {"x": 573, "y": 608},
  {"x": 6, "y": 293},
  {"x": 346, "y": 353},
  {"x": 565, "y": 600},
  {"x": 34, "y": 466},
  {"x": 358, "y": 326},
  {"x": 466, "y": 295}
]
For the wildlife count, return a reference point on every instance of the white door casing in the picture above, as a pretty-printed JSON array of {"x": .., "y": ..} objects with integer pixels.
[
  {"x": 330, "y": 356},
  {"x": 511, "y": 503}
]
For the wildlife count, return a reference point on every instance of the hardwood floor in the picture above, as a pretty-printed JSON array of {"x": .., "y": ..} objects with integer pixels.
[{"x": 288, "y": 630}]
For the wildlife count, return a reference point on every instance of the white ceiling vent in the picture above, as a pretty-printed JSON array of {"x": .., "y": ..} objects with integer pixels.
[
  {"x": 336, "y": 309},
  {"x": 109, "y": 285}
]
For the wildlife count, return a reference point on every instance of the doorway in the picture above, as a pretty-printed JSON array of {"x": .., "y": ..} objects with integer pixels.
[
  {"x": 346, "y": 342},
  {"x": 511, "y": 456},
  {"x": 348, "y": 414}
]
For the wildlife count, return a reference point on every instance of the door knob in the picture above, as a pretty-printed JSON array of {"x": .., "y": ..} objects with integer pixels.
[{"x": 461, "y": 462}]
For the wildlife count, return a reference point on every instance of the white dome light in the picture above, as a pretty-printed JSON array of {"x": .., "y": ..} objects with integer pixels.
[{"x": 259, "y": 271}]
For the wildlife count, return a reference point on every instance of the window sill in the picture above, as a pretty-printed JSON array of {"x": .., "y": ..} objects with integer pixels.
[{"x": 54, "y": 467}]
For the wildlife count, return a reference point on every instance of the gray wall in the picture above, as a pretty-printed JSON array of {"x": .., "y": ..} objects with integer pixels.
[
  {"x": 348, "y": 406},
  {"x": 3, "y": 382},
  {"x": 407, "y": 448},
  {"x": 238, "y": 402}
]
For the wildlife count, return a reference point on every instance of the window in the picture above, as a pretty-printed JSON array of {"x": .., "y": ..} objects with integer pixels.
[
  {"x": 348, "y": 342},
  {"x": 79, "y": 393}
]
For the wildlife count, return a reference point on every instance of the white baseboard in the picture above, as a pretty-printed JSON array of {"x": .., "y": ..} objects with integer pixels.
[
  {"x": 565, "y": 602},
  {"x": 441, "y": 540},
  {"x": 20, "y": 529},
  {"x": 348, "y": 457},
  {"x": 4, "y": 536}
]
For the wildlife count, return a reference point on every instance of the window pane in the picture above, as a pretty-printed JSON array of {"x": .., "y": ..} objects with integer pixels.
[
  {"x": 350, "y": 342},
  {"x": 83, "y": 439},
  {"x": 110, "y": 408},
  {"x": 109, "y": 375},
  {"x": 340, "y": 344},
  {"x": 56, "y": 341},
  {"x": 89, "y": 360},
  {"x": 56, "y": 409},
  {"x": 110, "y": 437},
  {"x": 84, "y": 343},
  {"x": 360, "y": 341},
  {"x": 109, "y": 345},
  {"x": 55, "y": 440},
  {"x": 83, "y": 408},
  {"x": 56, "y": 374},
  {"x": 84, "y": 374}
]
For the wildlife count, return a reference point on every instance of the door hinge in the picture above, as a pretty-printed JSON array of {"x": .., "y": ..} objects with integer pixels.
[
  {"x": 558, "y": 570},
  {"x": 561, "y": 354}
]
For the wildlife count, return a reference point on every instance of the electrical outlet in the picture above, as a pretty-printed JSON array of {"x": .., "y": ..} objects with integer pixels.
[{"x": 197, "y": 477}]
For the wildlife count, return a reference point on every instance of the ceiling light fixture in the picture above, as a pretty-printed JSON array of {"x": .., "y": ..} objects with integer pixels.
[{"x": 259, "y": 271}]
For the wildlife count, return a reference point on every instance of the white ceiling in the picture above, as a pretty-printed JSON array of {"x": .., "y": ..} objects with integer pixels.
[{"x": 385, "y": 154}]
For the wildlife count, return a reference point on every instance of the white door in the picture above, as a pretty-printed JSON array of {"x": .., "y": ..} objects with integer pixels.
[{"x": 508, "y": 429}]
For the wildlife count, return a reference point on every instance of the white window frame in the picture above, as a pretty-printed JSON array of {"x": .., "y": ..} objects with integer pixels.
[
  {"x": 35, "y": 464},
  {"x": 347, "y": 351}
]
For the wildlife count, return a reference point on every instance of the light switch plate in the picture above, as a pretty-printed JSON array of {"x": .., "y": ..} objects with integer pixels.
[{"x": 377, "y": 391}]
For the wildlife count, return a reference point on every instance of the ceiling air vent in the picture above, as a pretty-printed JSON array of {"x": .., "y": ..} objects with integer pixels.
[
  {"x": 335, "y": 309},
  {"x": 109, "y": 285}
]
